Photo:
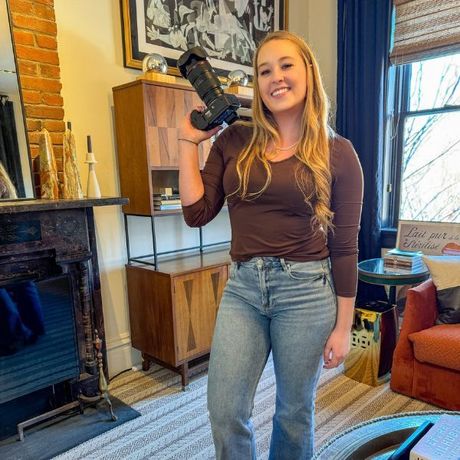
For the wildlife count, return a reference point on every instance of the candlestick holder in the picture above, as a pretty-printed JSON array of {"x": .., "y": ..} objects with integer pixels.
[{"x": 92, "y": 187}]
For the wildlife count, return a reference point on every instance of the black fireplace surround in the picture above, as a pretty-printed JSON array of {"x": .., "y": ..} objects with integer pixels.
[{"x": 49, "y": 271}]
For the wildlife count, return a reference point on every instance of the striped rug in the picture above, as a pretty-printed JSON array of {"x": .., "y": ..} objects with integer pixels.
[{"x": 174, "y": 423}]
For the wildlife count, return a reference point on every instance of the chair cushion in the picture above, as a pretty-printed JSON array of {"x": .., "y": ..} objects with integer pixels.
[
  {"x": 439, "y": 345},
  {"x": 445, "y": 272}
]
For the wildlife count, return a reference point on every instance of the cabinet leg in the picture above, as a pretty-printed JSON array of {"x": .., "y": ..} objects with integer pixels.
[
  {"x": 184, "y": 376},
  {"x": 145, "y": 363}
]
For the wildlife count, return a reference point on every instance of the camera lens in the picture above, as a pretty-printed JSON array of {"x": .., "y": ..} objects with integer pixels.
[
  {"x": 203, "y": 79},
  {"x": 220, "y": 107}
]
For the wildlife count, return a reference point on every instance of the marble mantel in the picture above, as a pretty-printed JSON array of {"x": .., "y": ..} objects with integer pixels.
[
  {"x": 39, "y": 241},
  {"x": 7, "y": 207}
]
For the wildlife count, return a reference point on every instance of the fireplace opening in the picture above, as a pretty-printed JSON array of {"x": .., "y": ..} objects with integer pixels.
[{"x": 41, "y": 359}]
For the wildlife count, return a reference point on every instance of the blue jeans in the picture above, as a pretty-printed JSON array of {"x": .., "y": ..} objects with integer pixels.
[{"x": 288, "y": 308}]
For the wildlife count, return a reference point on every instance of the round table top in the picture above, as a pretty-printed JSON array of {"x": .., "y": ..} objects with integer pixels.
[
  {"x": 373, "y": 271},
  {"x": 375, "y": 439}
]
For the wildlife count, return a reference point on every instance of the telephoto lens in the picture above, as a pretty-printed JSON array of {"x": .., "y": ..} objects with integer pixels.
[{"x": 220, "y": 107}]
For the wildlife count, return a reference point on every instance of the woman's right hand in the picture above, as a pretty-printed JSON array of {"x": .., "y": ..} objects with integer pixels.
[{"x": 188, "y": 131}]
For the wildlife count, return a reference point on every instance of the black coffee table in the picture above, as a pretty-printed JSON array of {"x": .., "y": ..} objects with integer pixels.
[{"x": 375, "y": 439}]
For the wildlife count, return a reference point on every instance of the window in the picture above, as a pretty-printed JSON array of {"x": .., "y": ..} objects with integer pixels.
[{"x": 423, "y": 148}]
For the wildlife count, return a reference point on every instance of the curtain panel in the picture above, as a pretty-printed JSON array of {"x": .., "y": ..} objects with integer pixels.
[
  {"x": 363, "y": 42},
  {"x": 424, "y": 29}
]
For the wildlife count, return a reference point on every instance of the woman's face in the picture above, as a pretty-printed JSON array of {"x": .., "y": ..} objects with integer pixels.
[{"x": 282, "y": 77}]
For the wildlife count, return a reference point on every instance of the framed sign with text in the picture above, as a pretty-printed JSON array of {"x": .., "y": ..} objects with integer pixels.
[
  {"x": 432, "y": 238},
  {"x": 228, "y": 31}
]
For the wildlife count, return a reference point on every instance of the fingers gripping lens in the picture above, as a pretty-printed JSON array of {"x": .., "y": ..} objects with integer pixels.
[{"x": 220, "y": 107}]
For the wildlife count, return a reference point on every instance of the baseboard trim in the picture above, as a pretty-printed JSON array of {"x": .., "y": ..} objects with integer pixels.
[{"x": 119, "y": 354}]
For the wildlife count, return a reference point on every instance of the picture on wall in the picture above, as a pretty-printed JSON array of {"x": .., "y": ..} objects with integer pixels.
[{"x": 228, "y": 30}]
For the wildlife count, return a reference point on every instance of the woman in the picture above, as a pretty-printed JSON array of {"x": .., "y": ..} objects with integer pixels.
[{"x": 294, "y": 193}]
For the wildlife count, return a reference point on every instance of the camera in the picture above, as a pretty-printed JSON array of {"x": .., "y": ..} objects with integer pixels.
[{"x": 220, "y": 107}]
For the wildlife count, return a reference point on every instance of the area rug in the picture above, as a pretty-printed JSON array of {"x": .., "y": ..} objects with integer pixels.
[
  {"x": 174, "y": 423},
  {"x": 53, "y": 437}
]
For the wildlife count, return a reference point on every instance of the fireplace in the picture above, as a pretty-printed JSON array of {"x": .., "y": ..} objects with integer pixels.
[{"x": 48, "y": 248}]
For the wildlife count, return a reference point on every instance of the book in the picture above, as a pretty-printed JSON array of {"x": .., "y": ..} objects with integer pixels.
[
  {"x": 396, "y": 258},
  {"x": 160, "y": 201},
  {"x": 441, "y": 442},
  {"x": 167, "y": 207},
  {"x": 163, "y": 196},
  {"x": 402, "y": 253}
]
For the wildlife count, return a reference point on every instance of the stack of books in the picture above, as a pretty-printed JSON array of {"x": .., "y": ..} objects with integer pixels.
[
  {"x": 441, "y": 442},
  {"x": 163, "y": 202},
  {"x": 399, "y": 261}
]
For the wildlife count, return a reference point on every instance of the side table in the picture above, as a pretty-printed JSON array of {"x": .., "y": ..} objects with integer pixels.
[
  {"x": 372, "y": 271},
  {"x": 375, "y": 327}
]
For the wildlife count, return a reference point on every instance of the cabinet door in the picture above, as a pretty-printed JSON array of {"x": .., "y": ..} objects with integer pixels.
[
  {"x": 196, "y": 300},
  {"x": 165, "y": 107}
]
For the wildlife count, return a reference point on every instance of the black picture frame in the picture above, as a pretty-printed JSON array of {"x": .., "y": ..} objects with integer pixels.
[{"x": 229, "y": 37}]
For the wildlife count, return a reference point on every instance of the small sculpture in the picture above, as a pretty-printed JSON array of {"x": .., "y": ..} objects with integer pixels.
[
  {"x": 154, "y": 63},
  {"x": 155, "y": 68},
  {"x": 238, "y": 81},
  {"x": 238, "y": 78},
  {"x": 48, "y": 171}
]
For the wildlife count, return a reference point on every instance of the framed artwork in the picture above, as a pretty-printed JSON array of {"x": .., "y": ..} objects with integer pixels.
[
  {"x": 228, "y": 30},
  {"x": 432, "y": 238}
]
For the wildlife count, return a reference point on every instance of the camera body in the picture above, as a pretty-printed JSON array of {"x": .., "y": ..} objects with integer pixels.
[{"x": 220, "y": 107}]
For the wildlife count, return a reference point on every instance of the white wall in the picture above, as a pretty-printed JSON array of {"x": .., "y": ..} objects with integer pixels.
[
  {"x": 91, "y": 60},
  {"x": 316, "y": 21}
]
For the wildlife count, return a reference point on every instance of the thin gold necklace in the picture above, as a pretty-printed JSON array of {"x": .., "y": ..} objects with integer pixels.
[{"x": 284, "y": 149}]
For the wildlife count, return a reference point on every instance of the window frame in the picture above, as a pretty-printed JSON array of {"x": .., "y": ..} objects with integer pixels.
[{"x": 398, "y": 110}]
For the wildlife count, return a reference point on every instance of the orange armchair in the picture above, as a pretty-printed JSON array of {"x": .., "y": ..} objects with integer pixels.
[{"x": 426, "y": 361}]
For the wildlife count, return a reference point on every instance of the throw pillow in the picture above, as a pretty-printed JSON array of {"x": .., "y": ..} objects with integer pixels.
[{"x": 445, "y": 273}]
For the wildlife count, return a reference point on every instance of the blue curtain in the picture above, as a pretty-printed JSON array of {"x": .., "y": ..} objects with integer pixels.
[{"x": 363, "y": 41}]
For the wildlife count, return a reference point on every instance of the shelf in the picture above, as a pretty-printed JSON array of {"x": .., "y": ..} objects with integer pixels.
[{"x": 191, "y": 262}]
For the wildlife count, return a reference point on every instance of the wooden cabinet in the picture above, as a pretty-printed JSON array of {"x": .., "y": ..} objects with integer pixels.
[
  {"x": 147, "y": 119},
  {"x": 173, "y": 309},
  {"x": 172, "y": 303}
]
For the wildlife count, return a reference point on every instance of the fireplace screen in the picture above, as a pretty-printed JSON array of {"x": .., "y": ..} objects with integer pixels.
[{"x": 38, "y": 343}]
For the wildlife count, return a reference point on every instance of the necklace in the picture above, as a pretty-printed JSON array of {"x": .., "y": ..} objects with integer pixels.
[{"x": 284, "y": 149}]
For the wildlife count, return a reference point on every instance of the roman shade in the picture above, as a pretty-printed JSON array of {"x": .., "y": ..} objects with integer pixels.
[{"x": 424, "y": 29}]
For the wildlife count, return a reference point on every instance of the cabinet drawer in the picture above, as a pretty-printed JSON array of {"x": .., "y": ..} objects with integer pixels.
[{"x": 196, "y": 300}]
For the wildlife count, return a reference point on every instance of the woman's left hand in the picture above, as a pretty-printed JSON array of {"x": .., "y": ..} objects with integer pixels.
[{"x": 336, "y": 349}]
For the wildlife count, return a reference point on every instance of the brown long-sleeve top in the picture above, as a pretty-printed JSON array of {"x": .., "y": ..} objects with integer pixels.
[{"x": 278, "y": 222}]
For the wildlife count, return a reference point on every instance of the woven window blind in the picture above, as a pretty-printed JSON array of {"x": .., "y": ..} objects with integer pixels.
[{"x": 424, "y": 29}]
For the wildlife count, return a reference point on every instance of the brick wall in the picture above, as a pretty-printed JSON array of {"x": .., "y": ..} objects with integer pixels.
[{"x": 34, "y": 30}]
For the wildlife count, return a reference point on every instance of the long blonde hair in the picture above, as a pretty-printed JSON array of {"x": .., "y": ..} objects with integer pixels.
[{"x": 314, "y": 179}]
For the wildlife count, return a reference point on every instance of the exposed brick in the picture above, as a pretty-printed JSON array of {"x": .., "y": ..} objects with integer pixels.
[
  {"x": 21, "y": 37},
  {"x": 45, "y": 2},
  {"x": 39, "y": 75},
  {"x": 54, "y": 125},
  {"x": 39, "y": 25},
  {"x": 49, "y": 71},
  {"x": 27, "y": 68},
  {"x": 47, "y": 85},
  {"x": 52, "y": 99},
  {"x": 32, "y": 8},
  {"x": 31, "y": 97},
  {"x": 38, "y": 55},
  {"x": 41, "y": 111},
  {"x": 46, "y": 41},
  {"x": 58, "y": 150},
  {"x": 33, "y": 125}
]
